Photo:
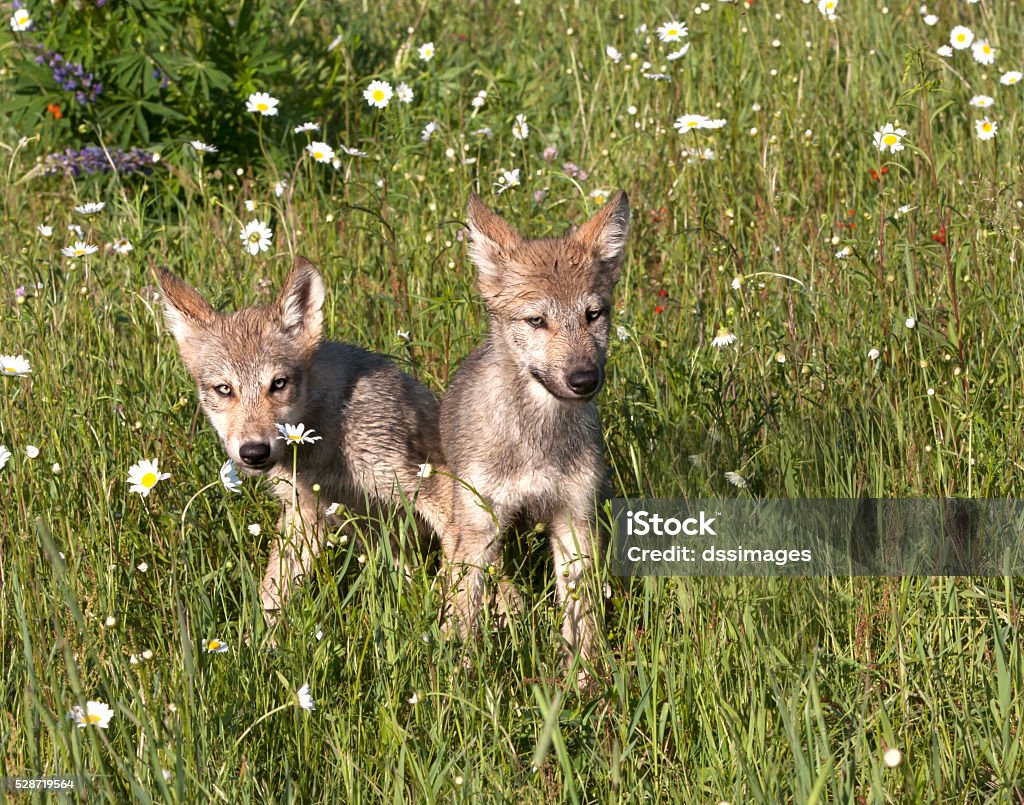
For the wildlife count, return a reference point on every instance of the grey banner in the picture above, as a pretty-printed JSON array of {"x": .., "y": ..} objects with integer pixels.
[{"x": 817, "y": 537}]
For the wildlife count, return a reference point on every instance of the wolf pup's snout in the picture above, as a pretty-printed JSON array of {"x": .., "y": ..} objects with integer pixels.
[
  {"x": 254, "y": 454},
  {"x": 584, "y": 382}
]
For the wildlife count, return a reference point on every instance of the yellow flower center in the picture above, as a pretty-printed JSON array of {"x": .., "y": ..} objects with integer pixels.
[
  {"x": 961, "y": 37},
  {"x": 378, "y": 95},
  {"x": 213, "y": 645},
  {"x": 890, "y": 139},
  {"x": 93, "y": 718},
  {"x": 691, "y": 124},
  {"x": 254, "y": 237},
  {"x": 262, "y": 106},
  {"x": 295, "y": 437},
  {"x": 986, "y": 126},
  {"x": 149, "y": 479}
]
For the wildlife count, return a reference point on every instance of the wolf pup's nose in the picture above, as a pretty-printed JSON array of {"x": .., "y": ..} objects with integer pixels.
[
  {"x": 254, "y": 453},
  {"x": 584, "y": 382}
]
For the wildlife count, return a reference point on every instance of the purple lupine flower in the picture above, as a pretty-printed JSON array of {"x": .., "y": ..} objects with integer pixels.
[{"x": 93, "y": 159}]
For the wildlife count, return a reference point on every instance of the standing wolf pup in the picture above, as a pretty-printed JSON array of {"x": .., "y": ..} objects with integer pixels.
[
  {"x": 518, "y": 423},
  {"x": 265, "y": 366}
]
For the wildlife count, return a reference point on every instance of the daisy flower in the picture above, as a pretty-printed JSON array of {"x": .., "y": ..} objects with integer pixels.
[
  {"x": 297, "y": 434},
  {"x": 14, "y": 366},
  {"x": 229, "y": 476},
  {"x": 520, "y": 130},
  {"x": 21, "y": 21},
  {"x": 306, "y": 127},
  {"x": 678, "y": 54},
  {"x": 122, "y": 246},
  {"x": 80, "y": 249},
  {"x": 425, "y": 471},
  {"x": 305, "y": 698},
  {"x": 31, "y": 451},
  {"x": 321, "y": 152},
  {"x": 828, "y": 8},
  {"x": 961, "y": 37},
  {"x": 671, "y": 31},
  {"x": 5, "y": 456},
  {"x": 144, "y": 476},
  {"x": 985, "y": 128},
  {"x": 256, "y": 236},
  {"x": 613, "y": 53},
  {"x": 982, "y": 101},
  {"x": 91, "y": 208},
  {"x": 96, "y": 714},
  {"x": 428, "y": 130},
  {"x": 723, "y": 338},
  {"x": 736, "y": 479},
  {"x": 426, "y": 51},
  {"x": 508, "y": 180},
  {"x": 889, "y": 138},
  {"x": 945, "y": 51},
  {"x": 983, "y": 53},
  {"x": 280, "y": 187},
  {"x": 45, "y": 230},
  {"x": 873, "y": 354},
  {"x": 910, "y": 323},
  {"x": 931, "y": 19},
  {"x": 352, "y": 152},
  {"x": 202, "y": 147},
  {"x": 1010, "y": 78},
  {"x": 262, "y": 103},
  {"x": 404, "y": 93},
  {"x": 378, "y": 94},
  {"x": 685, "y": 123},
  {"x": 599, "y": 196},
  {"x": 479, "y": 99},
  {"x": 254, "y": 529},
  {"x": 214, "y": 646}
]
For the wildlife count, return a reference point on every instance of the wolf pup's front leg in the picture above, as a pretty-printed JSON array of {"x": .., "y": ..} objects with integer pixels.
[{"x": 518, "y": 424}]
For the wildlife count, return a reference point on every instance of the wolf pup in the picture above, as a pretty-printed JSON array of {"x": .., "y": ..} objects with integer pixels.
[
  {"x": 265, "y": 366},
  {"x": 518, "y": 423}
]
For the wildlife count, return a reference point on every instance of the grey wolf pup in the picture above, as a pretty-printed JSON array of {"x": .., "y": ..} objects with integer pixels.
[
  {"x": 262, "y": 366},
  {"x": 518, "y": 423}
]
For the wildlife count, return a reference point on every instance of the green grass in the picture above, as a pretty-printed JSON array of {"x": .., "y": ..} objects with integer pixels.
[{"x": 716, "y": 689}]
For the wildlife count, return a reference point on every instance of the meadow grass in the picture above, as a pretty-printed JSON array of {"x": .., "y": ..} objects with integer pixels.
[{"x": 738, "y": 690}]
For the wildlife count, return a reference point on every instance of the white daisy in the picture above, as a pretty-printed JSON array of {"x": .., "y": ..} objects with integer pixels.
[
  {"x": 873, "y": 354},
  {"x": 321, "y": 152},
  {"x": 986, "y": 128},
  {"x": 122, "y": 246},
  {"x": 945, "y": 51},
  {"x": 479, "y": 100},
  {"x": 687, "y": 123},
  {"x": 91, "y": 208},
  {"x": 889, "y": 138},
  {"x": 828, "y": 8},
  {"x": 404, "y": 93},
  {"x": 229, "y": 476},
  {"x": 5, "y": 456},
  {"x": 304, "y": 127},
  {"x": 297, "y": 434},
  {"x": 352, "y": 152},
  {"x": 723, "y": 338},
  {"x": 426, "y": 51},
  {"x": 21, "y": 21},
  {"x": 280, "y": 187},
  {"x": 79, "y": 249},
  {"x": 378, "y": 94},
  {"x": 425, "y": 471},
  {"x": 508, "y": 180},
  {"x": 14, "y": 366},
  {"x": 961, "y": 37},
  {"x": 256, "y": 237},
  {"x": 671, "y": 31},
  {"x": 262, "y": 103},
  {"x": 736, "y": 479},
  {"x": 910, "y": 323},
  {"x": 31, "y": 451},
  {"x": 254, "y": 529},
  {"x": 678, "y": 54},
  {"x": 428, "y": 130},
  {"x": 45, "y": 230},
  {"x": 144, "y": 476},
  {"x": 930, "y": 20},
  {"x": 305, "y": 698},
  {"x": 214, "y": 646},
  {"x": 520, "y": 129},
  {"x": 202, "y": 147},
  {"x": 613, "y": 53},
  {"x": 1010, "y": 78},
  {"x": 982, "y": 101},
  {"x": 96, "y": 714},
  {"x": 983, "y": 52}
]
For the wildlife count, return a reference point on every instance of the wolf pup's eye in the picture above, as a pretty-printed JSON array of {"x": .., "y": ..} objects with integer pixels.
[
  {"x": 536, "y": 322},
  {"x": 224, "y": 390},
  {"x": 278, "y": 383},
  {"x": 594, "y": 315}
]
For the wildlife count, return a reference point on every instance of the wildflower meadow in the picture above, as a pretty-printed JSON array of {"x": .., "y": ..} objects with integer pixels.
[{"x": 822, "y": 298}]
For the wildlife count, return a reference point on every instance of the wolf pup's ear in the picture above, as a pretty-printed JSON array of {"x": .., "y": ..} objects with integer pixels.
[
  {"x": 491, "y": 240},
  {"x": 605, "y": 235},
  {"x": 185, "y": 310},
  {"x": 300, "y": 305}
]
